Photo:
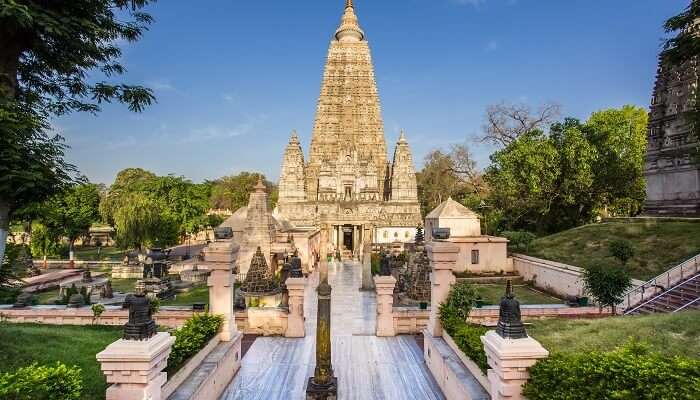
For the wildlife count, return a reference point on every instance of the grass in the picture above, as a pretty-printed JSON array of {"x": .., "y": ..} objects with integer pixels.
[
  {"x": 197, "y": 294},
  {"x": 118, "y": 285},
  {"x": 89, "y": 253},
  {"x": 658, "y": 246},
  {"x": 671, "y": 334},
  {"x": 491, "y": 294},
  {"x": 23, "y": 344}
]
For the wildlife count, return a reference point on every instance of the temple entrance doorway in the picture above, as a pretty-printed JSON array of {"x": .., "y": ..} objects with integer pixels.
[{"x": 348, "y": 239}]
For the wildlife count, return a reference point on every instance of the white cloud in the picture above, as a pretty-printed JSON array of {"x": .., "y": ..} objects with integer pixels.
[
  {"x": 215, "y": 132},
  {"x": 160, "y": 84}
]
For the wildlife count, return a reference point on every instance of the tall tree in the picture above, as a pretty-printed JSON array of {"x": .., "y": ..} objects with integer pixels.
[
  {"x": 232, "y": 192},
  {"x": 47, "y": 51},
  {"x": 506, "y": 122},
  {"x": 80, "y": 208}
]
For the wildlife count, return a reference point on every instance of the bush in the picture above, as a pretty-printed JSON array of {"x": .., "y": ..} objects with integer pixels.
[
  {"x": 455, "y": 310},
  {"x": 37, "y": 382},
  {"x": 622, "y": 250},
  {"x": 631, "y": 372},
  {"x": 468, "y": 338},
  {"x": 376, "y": 263},
  {"x": 519, "y": 241},
  {"x": 192, "y": 337},
  {"x": 97, "y": 310}
]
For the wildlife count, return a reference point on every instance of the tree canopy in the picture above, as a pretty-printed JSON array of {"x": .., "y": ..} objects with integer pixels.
[{"x": 232, "y": 192}]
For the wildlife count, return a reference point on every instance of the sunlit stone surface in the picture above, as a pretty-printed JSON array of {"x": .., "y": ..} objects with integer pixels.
[{"x": 367, "y": 367}]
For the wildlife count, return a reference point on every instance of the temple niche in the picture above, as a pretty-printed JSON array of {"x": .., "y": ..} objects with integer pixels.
[{"x": 348, "y": 187}]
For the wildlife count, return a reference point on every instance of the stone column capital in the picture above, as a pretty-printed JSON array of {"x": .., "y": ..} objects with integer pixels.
[
  {"x": 442, "y": 255},
  {"x": 385, "y": 284}
]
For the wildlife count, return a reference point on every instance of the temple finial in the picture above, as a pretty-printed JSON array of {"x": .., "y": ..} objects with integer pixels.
[
  {"x": 348, "y": 4},
  {"x": 349, "y": 30},
  {"x": 402, "y": 137}
]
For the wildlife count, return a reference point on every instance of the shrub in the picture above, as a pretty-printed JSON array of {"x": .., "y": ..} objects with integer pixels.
[
  {"x": 68, "y": 293},
  {"x": 97, "y": 310},
  {"x": 468, "y": 338},
  {"x": 622, "y": 250},
  {"x": 631, "y": 372},
  {"x": 455, "y": 310},
  {"x": 37, "y": 382},
  {"x": 84, "y": 292},
  {"x": 376, "y": 263},
  {"x": 606, "y": 284},
  {"x": 154, "y": 305},
  {"x": 192, "y": 337},
  {"x": 519, "y": 240}
]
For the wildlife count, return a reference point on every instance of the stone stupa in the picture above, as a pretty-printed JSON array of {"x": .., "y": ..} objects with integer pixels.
[
  {"x": 260, "y": 288},
  {"x": 419, "y": 278}
]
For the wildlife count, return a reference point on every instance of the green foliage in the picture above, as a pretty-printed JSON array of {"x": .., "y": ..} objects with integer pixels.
[
  {"x": 468, "y": 338},
  {"x": 45, "y": 240},
  {"x": 455, "y": 310},
  {"x": 232, "y": 192},
  {"x": 376, "y": 261},
  {"x": 97, "y": 310},
  {"x": 154, "y": 305},
  {"x": 42, "y": 382},
  {"x": 551, "y": 182},
  {"x": 148, "y": 210},
  {"x": 606, "y": 284},
  {"x": 192, "y": 337},
  {"x": 72, "y": 290},
  {"x": 622, "y": 250},
  {"x": 629, "y": 373},
  {"x": 519, "y": 240}
]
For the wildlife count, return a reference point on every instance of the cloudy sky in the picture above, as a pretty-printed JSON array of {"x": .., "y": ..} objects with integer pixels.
[{"x": 233, "y": 78}]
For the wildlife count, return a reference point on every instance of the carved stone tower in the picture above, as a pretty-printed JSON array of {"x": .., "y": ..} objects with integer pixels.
[
  {"x": 347, "y": 185},
  {"x": 673, "y": 177}
]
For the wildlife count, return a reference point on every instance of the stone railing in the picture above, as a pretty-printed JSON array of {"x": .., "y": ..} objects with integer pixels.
[
  {"x": 410, "y": 320},
  {"x": 61, "y": 315},
  {"x": 488, "y": 315}
]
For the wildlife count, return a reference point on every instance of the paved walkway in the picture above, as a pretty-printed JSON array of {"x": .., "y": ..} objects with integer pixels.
[{"x": 367, "y": 367}]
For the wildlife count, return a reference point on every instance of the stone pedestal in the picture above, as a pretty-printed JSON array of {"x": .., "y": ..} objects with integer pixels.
[
  {"x": 443, "y": 259},
  {"x": 134, "y": 367},
  {"x": 509, "y": 360},
  {"x": 220, "y": 257},
  {"x": 295, "y": 321},
  {"x": 367, "y": 282},
  {"x": 385, "y": 305}
]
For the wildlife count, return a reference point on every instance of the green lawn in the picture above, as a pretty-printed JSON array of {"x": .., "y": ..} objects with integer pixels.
[
  {"x": 492, "y": 294},
  {"x": 23, "y": 344},
  {"x": 118, "y": 285},
  {"x": 88, "y": 253},
  {"x": 198, "y": 294},
  {"x": 671, "y": 334},
  {"x": 658, "y": 245}
]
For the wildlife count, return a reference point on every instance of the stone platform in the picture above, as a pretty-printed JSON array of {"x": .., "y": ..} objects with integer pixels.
[{"x": 367, "y": 367}]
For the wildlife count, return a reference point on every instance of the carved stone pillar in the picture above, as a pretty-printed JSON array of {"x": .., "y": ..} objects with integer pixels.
[
  {"x": 134, "y": 367},
  {"x": 385, "y": 305},
  {"x": 323, "y": 385},
  {"x": 443, "y": 259},
  {"x": 220, "y": 256},
  {"x": 295, "y": 320},
  {"x": 367, "y": 282}
]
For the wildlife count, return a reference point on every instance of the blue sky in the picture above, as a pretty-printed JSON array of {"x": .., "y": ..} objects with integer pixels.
[{"x": 233, "y": 78}]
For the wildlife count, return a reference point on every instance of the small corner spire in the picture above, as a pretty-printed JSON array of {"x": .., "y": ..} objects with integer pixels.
[{"x": 402, "y": 136}]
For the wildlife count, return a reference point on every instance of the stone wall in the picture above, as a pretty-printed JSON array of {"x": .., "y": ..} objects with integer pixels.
[
  {"x": 557, "y": 278},
  {"x": 410, "y": 321},
  {"x": 489, "y": 315}
]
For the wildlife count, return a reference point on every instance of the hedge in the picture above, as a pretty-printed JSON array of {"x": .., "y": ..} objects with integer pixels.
[
  {"x": 631, "y": 372},
  {"x": 453, "y": 314},
  {"x": 42, "y": 382},
  {"x": 192, "y": 337}
]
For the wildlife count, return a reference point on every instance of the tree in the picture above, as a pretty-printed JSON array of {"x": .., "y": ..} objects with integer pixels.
[
  {"x": 452, "y": 174},
  {"x": 138, "y": 222},
  {"x": 622, "y": 250},
  {"x": 620, "y": 139},
  {"x": 232, "y": 192},
  {"x": 80, "y": 208},
  {"x": 606, "y": 284},
  {"x": 506, "y": 122},
  {"x": 48, "y": 50}
]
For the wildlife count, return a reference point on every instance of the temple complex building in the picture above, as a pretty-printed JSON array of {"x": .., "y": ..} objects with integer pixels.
[
  {"x": 673, "y": 177},
  {"x": 348, "y": 188}
]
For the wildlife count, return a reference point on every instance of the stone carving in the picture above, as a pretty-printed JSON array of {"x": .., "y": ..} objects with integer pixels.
[
  {"x": 510, "y": 324},
  {"x": 223, "y": 233},
  {"x": 296, "y": 270},
  {"x": 348, "y": 164},
  {"x": 140, "y": 325},
  {"x": 23, "y": 300},
  {"x": 419, "y": 288},
  {"x": 259, "y": 280},
  {"x": 384, "y": 264}
]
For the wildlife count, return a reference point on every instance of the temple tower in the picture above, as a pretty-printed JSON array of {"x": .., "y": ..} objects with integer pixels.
[
  {"x": 403, "y": 174},
  {"x": 259, "y": 226},
  {"x": 673, "y": 176},
  {"x": 348, "y": 130},
  {"x": 291, "y": 187}
]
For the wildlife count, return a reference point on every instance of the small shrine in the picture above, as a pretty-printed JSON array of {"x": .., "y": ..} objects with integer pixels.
[
  {"x": 418, "y": 281},
  {"x": 260, "y": 288},
  {"x": 155, "y": 281},
  {"x": 130, "y": 268}
]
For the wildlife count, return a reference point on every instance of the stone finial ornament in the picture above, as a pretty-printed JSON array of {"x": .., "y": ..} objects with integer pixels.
[
  {"x": 296, "y": 271},
  {"x": 510, "y": 324},
  {"x": 140, "y": 325}
]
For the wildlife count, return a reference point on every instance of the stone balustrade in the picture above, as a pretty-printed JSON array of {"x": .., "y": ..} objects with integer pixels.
[{"x": 385, "y": 305}]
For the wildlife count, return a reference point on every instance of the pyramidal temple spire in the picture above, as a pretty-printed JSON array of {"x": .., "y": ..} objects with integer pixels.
[{"x": 349, "y": 30}]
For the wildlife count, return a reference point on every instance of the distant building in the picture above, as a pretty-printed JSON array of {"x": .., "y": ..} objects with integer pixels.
[
  {"x": 673, "y": 179},
  {"x": 477, "y": 253}
]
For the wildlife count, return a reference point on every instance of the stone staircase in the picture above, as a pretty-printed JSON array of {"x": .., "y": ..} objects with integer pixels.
[{"x": 685, "y": 295}]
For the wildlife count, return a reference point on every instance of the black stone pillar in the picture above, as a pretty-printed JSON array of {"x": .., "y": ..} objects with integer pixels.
[{"x": 323, "y": 385}]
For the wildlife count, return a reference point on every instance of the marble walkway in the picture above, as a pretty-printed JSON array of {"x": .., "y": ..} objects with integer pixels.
[{"x": 367, "y": 367}]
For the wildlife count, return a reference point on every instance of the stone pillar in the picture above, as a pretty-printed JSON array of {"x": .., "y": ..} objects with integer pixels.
[
  {"x": 134, "y": 367},
  {"x": 367, "y": 282},
  {"x": 220, "y": 256},
  {"x": 323, "y": 244},
  {"x": 509, "y": 360},
  {"x": 323, "y": 385},
  {"x": 295, "y": 320},
  {"x": 443, "y": 258},
  {"x": 385, "y": 305}
]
